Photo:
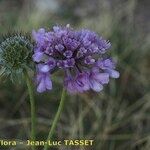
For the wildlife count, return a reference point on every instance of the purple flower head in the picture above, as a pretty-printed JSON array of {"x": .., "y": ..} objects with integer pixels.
[{"x": 79, "y": 53}]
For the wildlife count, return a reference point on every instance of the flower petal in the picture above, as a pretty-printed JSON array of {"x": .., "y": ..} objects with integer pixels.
[
  {"x": 102, "y": 78},
  {"x": 37, "y": 57},
  {"x": 41, "y": 87},
  {"x": 82, "y": 82},
  {"x": 113, "y": 73},
  {"x": 43, "y": 68},
  {"x": 96, "y": 86},
  {"x": 48, "y": 83}
]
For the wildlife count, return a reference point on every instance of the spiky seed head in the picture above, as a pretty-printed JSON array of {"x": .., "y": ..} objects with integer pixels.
[{"x": 15, "y": 54}]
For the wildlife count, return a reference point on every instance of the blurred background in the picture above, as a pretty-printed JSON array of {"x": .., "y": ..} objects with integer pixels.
[{"x": 118, "y": 118}]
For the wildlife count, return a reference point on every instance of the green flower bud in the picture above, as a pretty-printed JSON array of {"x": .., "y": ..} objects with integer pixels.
[{"x": 15, "y": 54}]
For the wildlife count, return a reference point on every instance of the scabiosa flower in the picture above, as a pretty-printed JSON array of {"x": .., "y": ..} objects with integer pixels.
[
  {"x": 79, "y": 53},
  {"x": 16, "y": 52}
]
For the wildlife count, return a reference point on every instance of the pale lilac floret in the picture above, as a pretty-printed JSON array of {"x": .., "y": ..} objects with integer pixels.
[
  {"x": 108, "y": 65},
  {"x": 37, "y": 57},
  {"x": 97, "y": 79},
  {"x": 79, "y": 53},
  {"x": 43, "y": 81}
]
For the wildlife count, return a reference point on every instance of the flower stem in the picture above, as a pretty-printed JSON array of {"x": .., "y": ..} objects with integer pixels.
[
  {"x": 57, "y": 116},
  {"x": 32, "y": 103}
]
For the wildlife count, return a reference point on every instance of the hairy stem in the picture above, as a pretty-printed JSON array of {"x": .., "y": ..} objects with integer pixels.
[
  {"x": 57, "y": 116},
  {"x": 32, "y": 103}
]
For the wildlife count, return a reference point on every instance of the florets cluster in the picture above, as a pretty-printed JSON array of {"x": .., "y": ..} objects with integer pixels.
[{"x": 79, "y": 53}]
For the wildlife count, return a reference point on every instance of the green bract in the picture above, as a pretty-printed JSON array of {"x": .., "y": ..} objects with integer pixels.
[{"x": 15, "y": 54}]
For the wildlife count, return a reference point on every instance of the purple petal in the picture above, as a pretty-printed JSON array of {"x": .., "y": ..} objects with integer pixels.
[
  {"x": 69, "y": 62},
  {"x": 113, "y": 73},
  {"x": 48, "y": 83},
  {"x": 104, "y": 64},
  {"x": 39, "y": 36},
  {"x": 37, "y": 57},
  {"x": 59, "y": 47},
  {"x": 102, "y": 78},
  {"x": 89, "y": 60},
  {"x": 56, "y": 28},
  {"x": 43, "y": 68},
  {"x": 51, "y": 63},
  {"x": 94, "y": 85},
  {"x": 60, "y": 64},
  {"x": 44, "y": 82},
  {"x": 82, "y": 82},
  {"x": 41, "y": 87},
  {"x": 70, "y": 85},
  {"x": 68, "y": 54}
]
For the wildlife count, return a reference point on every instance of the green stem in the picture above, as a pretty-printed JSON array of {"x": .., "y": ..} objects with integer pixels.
[
  {"x": 32, "y": 103},
  {"x": 57, "y": 116}
]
